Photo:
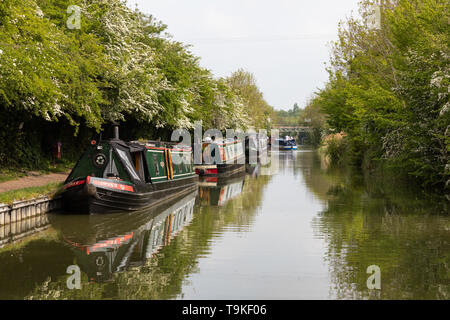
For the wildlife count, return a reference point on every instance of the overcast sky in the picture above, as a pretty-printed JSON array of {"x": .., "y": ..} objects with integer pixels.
[{"x": 284, "y": 43}]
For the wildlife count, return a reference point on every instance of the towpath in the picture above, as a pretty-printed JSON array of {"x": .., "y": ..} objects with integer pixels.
[{"x": 32, "y": 180}]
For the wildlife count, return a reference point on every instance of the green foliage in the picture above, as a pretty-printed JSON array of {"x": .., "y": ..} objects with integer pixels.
[
  {"x": 288, "y": 118},
  {"x": 44, "y": 71},
  {"x": 312, "y": 116},
  {"x": 58, "y": 83},
  {"x": 336, "y": 149},
  {"x": 388, "y": 87},
  {"x": 244, "y": 85}
]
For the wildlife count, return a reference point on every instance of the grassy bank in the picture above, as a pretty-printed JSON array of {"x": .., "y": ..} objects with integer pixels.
[
  {"x": 13, "y": 173},
  {"x": 29, "y": 193}
]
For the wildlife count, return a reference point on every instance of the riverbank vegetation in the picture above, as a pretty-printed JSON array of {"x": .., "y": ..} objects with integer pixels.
[
  {"x": 49, "y": 190},
  {"x": 288, "y": 118},
  {"x": 64, "y": 81},
  {"x": 388, "y": 90}
]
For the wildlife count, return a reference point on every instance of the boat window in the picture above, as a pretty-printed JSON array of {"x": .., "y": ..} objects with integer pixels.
[
  {"x": 139, "y": 164},
  {"x": 128, "y": 164},
  {"x": 155, "y": 163}
]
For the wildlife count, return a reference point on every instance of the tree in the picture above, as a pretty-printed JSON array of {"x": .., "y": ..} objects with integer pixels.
[
  {"x": 244, "y": 85},
  {"x": 388, "y": 87}
]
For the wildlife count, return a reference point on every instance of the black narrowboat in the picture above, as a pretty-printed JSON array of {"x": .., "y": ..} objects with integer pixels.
[
  {"x": 116, "y": 176},
  {"x": 229, "y": 160}
]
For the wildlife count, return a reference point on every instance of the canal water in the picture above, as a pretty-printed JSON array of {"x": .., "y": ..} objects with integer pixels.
[{"x": 301, "y": 232}]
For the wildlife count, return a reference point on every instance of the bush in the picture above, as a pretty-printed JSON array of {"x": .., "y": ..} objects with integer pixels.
[{"x": 335, "y": 148}]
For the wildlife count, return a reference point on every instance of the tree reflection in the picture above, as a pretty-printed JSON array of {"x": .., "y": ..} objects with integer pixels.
[{"x": 370, "y": 221}]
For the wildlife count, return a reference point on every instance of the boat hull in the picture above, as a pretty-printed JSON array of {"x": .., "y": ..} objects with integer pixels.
[
  {"x": 89, "y": 199},
  {"x": 222, "y": 170}
]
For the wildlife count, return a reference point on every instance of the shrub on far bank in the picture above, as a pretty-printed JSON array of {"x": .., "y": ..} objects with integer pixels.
[{"x": 334, "y": 148}]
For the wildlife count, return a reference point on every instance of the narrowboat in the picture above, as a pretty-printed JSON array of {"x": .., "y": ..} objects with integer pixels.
[
  {"x": 283, "y": 145},
  {"x": 287, "y": 143},
  {"x": 293, "y": 144},
  {"x": 114, "y": 243},
  {"x": 229, "y": 159},
  {"x": 116, "y": 176}
]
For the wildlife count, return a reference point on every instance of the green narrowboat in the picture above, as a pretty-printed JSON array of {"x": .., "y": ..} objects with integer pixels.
[{"x": 117, "y": 176}]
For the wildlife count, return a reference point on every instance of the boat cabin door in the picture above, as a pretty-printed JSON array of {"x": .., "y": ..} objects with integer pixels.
[{"x": 138, "y": 161}]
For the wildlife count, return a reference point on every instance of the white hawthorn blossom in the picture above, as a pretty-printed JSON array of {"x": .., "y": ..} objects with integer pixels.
[{"x": 136, "y": 77}]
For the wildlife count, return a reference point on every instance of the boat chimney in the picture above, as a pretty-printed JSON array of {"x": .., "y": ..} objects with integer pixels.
[{"x": 116, "y": 131}]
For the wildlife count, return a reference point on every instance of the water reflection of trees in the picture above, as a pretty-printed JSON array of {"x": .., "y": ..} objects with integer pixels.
[
  {"x": 162, "y": 276},
  {"x": 28, "y": 263},
  {"x": 371, "y": 221}
]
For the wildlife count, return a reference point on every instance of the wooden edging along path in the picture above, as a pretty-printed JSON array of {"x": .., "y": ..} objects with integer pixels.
[
  {"x": 24, "y": 218},
  {"x": 21, "y": 210},
  {"x": 24, "y": 210}
]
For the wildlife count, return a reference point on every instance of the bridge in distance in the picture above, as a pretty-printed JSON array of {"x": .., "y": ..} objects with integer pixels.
[{"x": 297, "y": 129}]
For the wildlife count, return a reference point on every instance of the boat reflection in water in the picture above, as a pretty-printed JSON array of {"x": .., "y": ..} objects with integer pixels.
[
  {"x": 105, "y": 245},
  {"x": 217, "y": 191}
]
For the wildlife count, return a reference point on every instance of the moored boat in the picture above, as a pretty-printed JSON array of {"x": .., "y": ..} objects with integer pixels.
[
  {"x": 116, "y": 176},
  {"x": 283, "y": 145},
  {"x": 291, "y": 142},
  {"x": 287, "y": 143},
  {"x": 229, "y": 160}
]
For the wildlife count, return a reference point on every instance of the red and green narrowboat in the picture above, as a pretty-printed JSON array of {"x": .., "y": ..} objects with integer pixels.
[
  {"x": 222, "y": 158},
  {"x": 117, "y": 176}
]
